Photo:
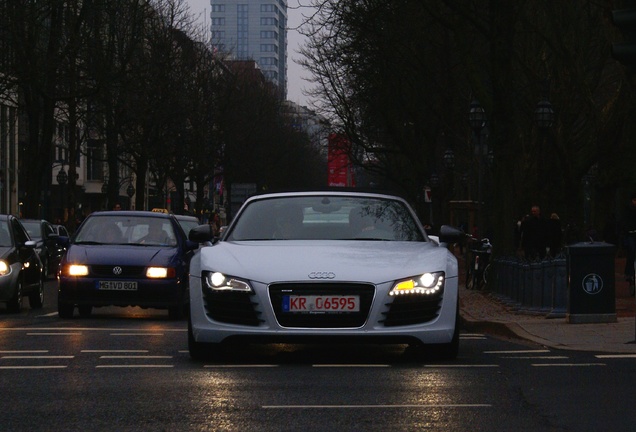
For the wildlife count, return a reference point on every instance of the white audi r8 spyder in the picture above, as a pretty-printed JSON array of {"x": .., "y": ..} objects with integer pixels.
[{"x": 306, "y": 267}]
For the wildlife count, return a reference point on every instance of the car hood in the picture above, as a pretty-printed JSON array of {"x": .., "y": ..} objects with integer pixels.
[
  {"x": 360, "y": 261},
  {"x": 118, "y": 254}
]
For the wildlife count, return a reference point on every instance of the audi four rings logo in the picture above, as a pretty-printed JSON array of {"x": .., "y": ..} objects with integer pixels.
[
  {"x": 322, "y": 275},
  {"x": 117, "y": 270}
]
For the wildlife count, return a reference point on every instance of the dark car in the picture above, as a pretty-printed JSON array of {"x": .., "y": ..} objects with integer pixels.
[
  {"x": 21, "y": 271},
  {"x": 61, "y": 230},
  {"x": 126, "y": 258},
  {"x": 48, "y": 243},
  {"x": 187, "y": 222}
]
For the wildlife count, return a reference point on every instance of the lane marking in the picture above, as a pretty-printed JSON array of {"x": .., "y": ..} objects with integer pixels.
[
  {"x": 25, "y": 352},
  {"x": 137, "y": 334},
  {"x": 134, "y": 357},
  {"x": 442, "y": 366},
  {"x": 241, "y": 366},
  {"x": 567, "y": 364},
  {"x": 473, "y": 338},
  {"x": 54, "y": 334},
  {"x": 33, "y": 367},
  {"x": 377, "y": 406},
  {"x": 350, "y": 365},
  {"x": 113, "y": 351},
  {"x": 133, "y": 366},
  {"x": 536, "y": 357},
  {"x": 615, "y": 356},
  {"x": 518, "y": 352},
  {"x": 37, "y": 357}
]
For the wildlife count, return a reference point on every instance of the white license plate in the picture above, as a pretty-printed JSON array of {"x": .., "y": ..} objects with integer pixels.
[
  {"x": 316, "y": 303},
  {"x": 117, "y": 285}
]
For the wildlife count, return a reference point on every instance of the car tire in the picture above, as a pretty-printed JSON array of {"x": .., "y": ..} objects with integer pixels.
[
  {"x": 36, "y": 299},
  {"x": 65, "y": 310},
  {"x": 15, "y": 302},
  {"x": 85, "y": 311},
  {"x": 449, "y": 351}
]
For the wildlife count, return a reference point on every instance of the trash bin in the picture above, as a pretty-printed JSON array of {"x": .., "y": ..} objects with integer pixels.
[{"x": 591, "y": 286}]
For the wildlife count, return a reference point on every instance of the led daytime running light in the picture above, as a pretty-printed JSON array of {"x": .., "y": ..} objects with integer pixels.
[{"x": 427, "y": 284}]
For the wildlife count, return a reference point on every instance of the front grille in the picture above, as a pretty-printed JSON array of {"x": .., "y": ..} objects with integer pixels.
[
  {"x": 231, "y": 307},
  {"x": 126, "y": 271},
  {"x": 412, "y": 309},
  {"x": 321, "y": 319}
]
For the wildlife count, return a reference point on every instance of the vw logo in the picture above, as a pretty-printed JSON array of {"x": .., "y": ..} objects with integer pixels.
[
  {"x": 117, "y": 270},
  {"x": 322, "y": 275}
]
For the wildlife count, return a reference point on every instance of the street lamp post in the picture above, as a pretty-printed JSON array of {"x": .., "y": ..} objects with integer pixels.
[
  {"x": 544, "y": 115},
  {"x": 477, "y": 121},
  {"x": 62, "y": 179}
]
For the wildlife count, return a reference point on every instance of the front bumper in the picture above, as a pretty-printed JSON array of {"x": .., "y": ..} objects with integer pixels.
[{"x": 262, "y": 320}]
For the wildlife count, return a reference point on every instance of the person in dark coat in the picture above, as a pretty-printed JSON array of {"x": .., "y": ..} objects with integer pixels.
[{"x": 534, "y": 235}]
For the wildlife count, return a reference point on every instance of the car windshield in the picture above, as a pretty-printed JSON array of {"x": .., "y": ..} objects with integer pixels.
[
  {"x": 133, "y": 230},
  {"x": 33, "y": 228},
  {"x": 5, "y": 237},
  {"x": 326, "y": 218}
]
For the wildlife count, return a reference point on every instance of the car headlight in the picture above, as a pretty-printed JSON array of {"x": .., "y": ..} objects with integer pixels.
[
  {"x": 217, "y": 281},
  {"x": 425, "y": 284},
  {"x": 160, "y": 272},
  {"x": 77, "y": 270},
  {"x": 4, "y": 268}
]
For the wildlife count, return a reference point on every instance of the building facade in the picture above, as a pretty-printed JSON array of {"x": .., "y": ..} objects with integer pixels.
[{"x": 253, "y": 30}]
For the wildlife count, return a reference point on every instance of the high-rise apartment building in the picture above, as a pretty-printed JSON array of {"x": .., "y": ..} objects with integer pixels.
[{"x": 253, "y": 30}]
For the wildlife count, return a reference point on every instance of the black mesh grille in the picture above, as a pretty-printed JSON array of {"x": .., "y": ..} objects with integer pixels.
[
  {"x": 126, "y": 271},
  {"x": 412, "y": 309},
  {"x": 322, "y": 319},
  {"x": 231, "y": 307}
]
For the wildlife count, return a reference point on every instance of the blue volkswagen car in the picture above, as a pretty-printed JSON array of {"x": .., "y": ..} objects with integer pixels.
[{"x": 126, "y": 258}]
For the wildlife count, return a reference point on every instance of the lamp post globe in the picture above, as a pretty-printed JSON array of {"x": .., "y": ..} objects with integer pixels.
[
  {"x": 130, "y": 190},
  {"x": 476, "y": 116},
  {"x": 62, "y": 177},
  {"x": 544, "y": 114}
]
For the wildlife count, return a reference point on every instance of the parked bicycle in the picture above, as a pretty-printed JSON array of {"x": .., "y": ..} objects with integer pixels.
[{"x": 478, "y": 263}]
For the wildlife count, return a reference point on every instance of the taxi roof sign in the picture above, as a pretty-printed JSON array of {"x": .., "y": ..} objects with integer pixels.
[{"x": 160, "y": 210}]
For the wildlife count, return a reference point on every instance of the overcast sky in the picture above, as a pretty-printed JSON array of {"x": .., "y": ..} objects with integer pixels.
[{"x": 295, "y": 83}]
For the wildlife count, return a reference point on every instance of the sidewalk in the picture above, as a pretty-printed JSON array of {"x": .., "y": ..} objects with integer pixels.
[{"x": 482, "y": 312}]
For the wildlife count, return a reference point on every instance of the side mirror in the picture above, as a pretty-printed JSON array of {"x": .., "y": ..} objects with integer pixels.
[
  {"x": 449, "y": 234},
  {"x": 201, "y": 234}
]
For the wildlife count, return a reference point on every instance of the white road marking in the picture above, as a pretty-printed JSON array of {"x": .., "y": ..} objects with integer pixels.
[
  {"x": 134, "y": 357},
  {"x": 132, "y": 366},
  {"x": 32, "y": 367},
  {"x": 457, "y": 366},
  {"x": 567, "y": 364},
  {"x": 25, "y": 352},
  {"x": 242, "y": 366},
  {"x": 615, "y": 356},
  {"x": 54, "y": 334},
  {"x": 377, "y": 406},
  {"x": 518, "y": 352},
  {"x": 13, "y": 357},
  {"x": 350, "y": 365},
  {"x": 114, "y": 351},
  {"x": 137, "y": 334}
]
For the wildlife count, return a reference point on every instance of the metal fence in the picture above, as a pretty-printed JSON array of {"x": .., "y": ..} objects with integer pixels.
[{"x": 533, "y": 286}]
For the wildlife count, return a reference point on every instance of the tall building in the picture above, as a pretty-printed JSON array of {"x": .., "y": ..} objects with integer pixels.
[{"x": 253, "y": 30}]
